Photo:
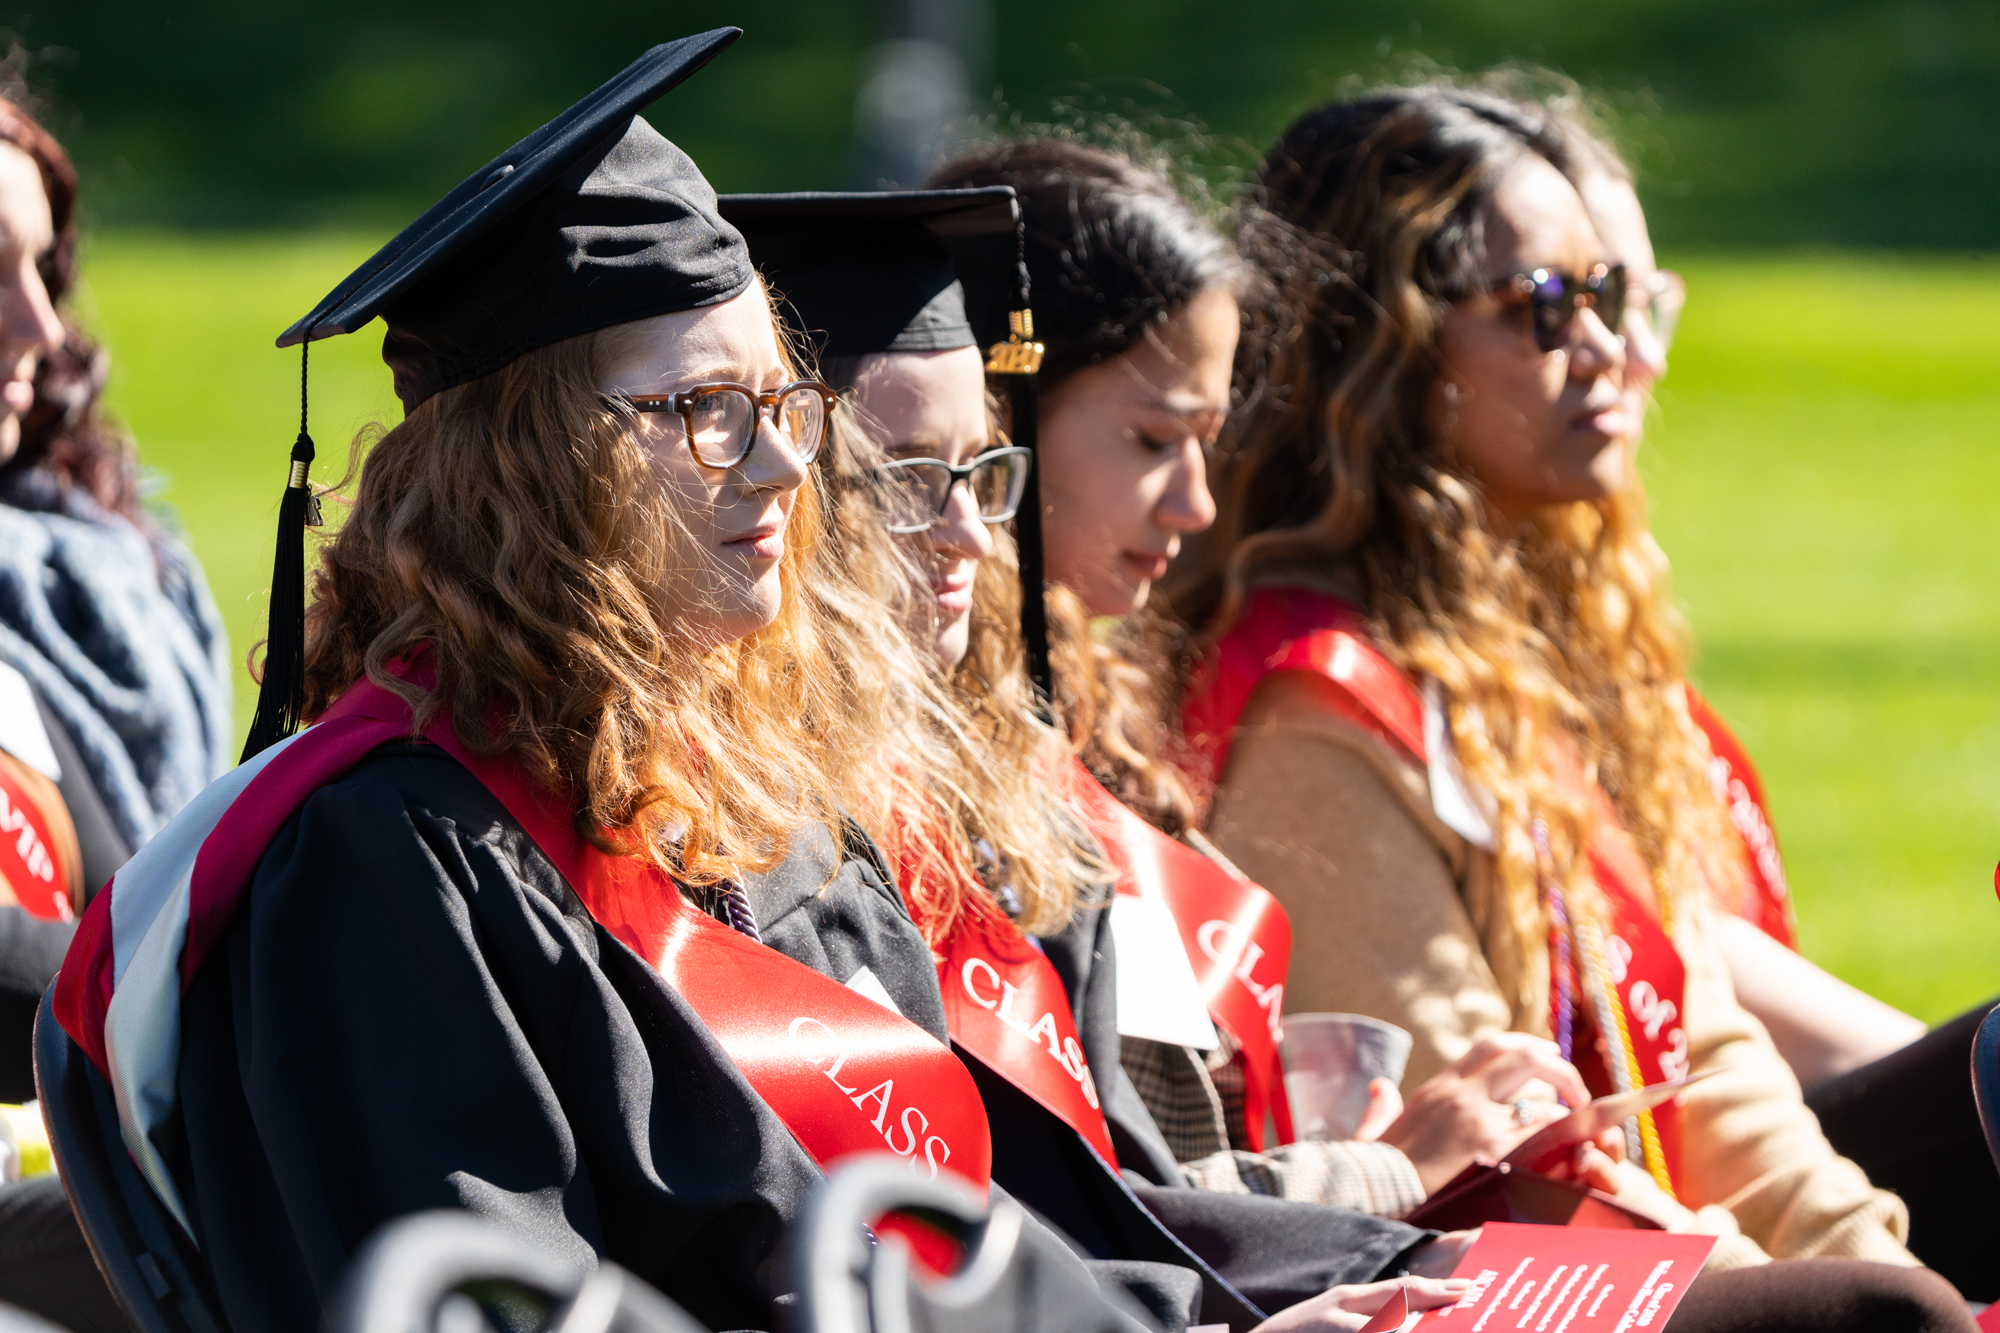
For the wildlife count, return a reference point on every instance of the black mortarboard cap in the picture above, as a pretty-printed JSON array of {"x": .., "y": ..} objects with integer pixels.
[
  {"x": 915, "y": 271},
  {"x": 595, "y": 219},
  {"x": 872, "y": 272}
]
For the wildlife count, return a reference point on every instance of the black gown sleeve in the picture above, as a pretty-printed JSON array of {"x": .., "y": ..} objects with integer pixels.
[
  {"x": 1276, "y": 1252},
  {"x": 412, "y": 1011}
]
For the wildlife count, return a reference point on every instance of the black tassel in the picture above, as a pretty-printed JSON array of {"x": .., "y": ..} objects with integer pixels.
[
  {"x": 1020, "y": 360},
  {"x": 1028, "y": 536},
  {"x": 281, "y": 696}
]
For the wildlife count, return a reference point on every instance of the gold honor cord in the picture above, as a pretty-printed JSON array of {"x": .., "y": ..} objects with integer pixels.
[{"x": 1608, "y": 1001}]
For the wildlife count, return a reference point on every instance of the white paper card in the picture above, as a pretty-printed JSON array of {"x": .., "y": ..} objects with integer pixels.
[
  {"x": 21, "y": 732},
  {"x": 1158, "y": 997},
  {"x": 1466, "y": 809},
  {"x": 866, "y": 983}
]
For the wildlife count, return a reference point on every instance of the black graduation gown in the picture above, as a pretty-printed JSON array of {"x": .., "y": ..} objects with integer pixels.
[
  {"x": 413, "y": 1011},
  {"x": 835, "y": 910},
  {"x": 1272, "y": 1251}
]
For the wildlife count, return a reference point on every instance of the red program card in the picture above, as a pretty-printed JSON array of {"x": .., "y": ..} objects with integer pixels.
[{"x": 1532, "y": 1279}]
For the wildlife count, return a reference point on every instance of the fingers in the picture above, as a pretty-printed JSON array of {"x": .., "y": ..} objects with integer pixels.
[
  {"x": 1531, "y": 1113},
  {"x": 1595, "y": 1169},
  {"x": 1385, "y": 1103},
  {"x": 1424, "y": 1293},
  {"x": 1434, "y": 1293},
  {"x": 1350, "y": 1307},
  {"x": 1509, "y": 1066}
]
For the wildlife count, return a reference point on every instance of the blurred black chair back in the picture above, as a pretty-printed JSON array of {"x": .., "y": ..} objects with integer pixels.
[
  {"x": 145, "y": 1258},
  {"x": 453, "y": 1272},
  {"x": 1016, "y": 1275},
  {"x": 1986, "y": 1079},
  {"x": 16, "y": 1320}
]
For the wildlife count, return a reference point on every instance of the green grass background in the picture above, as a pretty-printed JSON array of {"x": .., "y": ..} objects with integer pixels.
[{"x": 1823, "y": 469}]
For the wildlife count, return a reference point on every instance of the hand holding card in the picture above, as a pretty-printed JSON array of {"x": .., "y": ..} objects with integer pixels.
[
  {"x": 1365, "y": 1307},
  {"x": 1517, "y": 1189},
  {"x": 1547, "y": 1146}
]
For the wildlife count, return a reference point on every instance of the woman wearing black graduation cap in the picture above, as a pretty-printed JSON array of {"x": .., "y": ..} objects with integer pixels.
[{"x": 473, "y": 939}]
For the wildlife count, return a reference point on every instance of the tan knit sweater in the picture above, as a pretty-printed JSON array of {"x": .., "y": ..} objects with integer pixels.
[{"x": 1387, "y": 906}]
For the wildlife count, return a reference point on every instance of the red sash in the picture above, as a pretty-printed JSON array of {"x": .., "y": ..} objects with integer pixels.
[
  {"x": 1768, "y": 902},
  {"x": 30, "y": 862},
  {"x": 1297, "y": 629},
  {"x": 845, "y": 1074},
  {"x": 1004, "y": 1003},
  {"x": 1237, "y": 937}
]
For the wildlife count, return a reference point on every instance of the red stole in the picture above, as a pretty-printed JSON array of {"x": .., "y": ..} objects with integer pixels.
[
  {"x": 1298, "y": 629},
  {"x": 845, "y": 1075},
  {"x": 30, "y": 861},
  {"x": 1005, "y": 1004},
  {"x": 1003, "y": 1001},
  {"x": 1237, "y": 937},
  {"x": 1767, "y": 902}
]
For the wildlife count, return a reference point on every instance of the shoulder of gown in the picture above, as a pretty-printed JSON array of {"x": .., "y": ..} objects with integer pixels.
[
  {"x": 411, "y": 1010},
  {"x": 833, "y": 905}
]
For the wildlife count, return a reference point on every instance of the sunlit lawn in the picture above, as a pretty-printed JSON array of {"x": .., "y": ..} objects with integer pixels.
[
  {"x": 1822, "y": 471},
  {"x": 1827, "y": 463}
]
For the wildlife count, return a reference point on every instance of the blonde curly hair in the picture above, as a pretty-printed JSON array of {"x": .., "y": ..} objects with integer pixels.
[
  {"x": 1564, "y": 634},
  {"x": 964, "y": 798},
  {"x": 515, "y": 530}
]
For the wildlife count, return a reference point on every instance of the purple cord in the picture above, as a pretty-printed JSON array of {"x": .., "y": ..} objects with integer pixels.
[{"x": 737, "y": 907}]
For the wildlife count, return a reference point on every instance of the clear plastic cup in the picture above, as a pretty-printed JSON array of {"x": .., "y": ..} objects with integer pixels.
[{"x": 1330, "y": 1059}]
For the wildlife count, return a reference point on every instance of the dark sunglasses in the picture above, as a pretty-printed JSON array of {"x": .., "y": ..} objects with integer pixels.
[{"x": 1553, "y": 298}]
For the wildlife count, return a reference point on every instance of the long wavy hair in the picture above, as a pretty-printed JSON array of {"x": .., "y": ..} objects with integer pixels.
[
  {"x": 67, "y": 430},
  {"x": 515, "y": 531},
  {"x": 964, "y": 803},
  {"x": 1113, "y": 249},
  {"x": 1366, "y": 214}
]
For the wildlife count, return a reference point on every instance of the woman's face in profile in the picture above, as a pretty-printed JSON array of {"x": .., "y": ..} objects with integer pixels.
[
  {"x": 1124, "y": 472},
  {"x": 933, "y": 405},
  {"x": 29, "y": 328},
  {"x": 1533, "y": 428},
  {"x": 731, "y": 523}
]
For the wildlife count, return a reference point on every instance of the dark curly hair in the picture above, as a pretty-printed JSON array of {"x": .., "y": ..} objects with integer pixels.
[
  {"x": 1113, "y": 249},
  {"x": 1370, "y": 214},
  {"x": 67, "y": 430}
]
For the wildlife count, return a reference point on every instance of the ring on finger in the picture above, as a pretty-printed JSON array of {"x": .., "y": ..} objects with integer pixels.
[{"x": 1524, "y": 1111}]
